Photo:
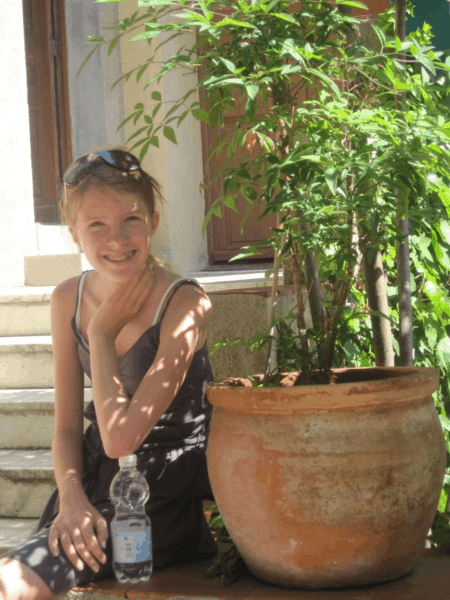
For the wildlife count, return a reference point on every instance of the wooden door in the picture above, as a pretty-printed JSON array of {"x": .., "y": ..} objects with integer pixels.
[
  {"x": 46, "y": 60},
  {"x": 225, "y": 239}
]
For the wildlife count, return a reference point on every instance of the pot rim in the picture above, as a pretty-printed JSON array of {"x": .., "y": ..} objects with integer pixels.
[{"x": 401, "y": 385}]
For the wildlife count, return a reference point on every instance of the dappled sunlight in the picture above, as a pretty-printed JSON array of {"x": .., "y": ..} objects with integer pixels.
[
  {"x": 130, "y": 415},
  {"x": 19, "y": 582}
]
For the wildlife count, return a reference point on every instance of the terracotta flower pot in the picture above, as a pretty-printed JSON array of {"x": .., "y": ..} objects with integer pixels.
[{"x": 328, "y": 485}]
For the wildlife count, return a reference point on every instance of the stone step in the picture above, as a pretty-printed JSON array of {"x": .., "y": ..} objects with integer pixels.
[
  {"x": 27, "y": 417},
  {"x": 27, "y": 362},
  {"x": 26, "y": 482},
  {"x": 14, "y": 532},
  {"x": 25, "y": 311}
]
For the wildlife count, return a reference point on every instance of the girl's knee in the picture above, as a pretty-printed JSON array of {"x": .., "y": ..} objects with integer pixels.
[{"x": 17, "y": 582}]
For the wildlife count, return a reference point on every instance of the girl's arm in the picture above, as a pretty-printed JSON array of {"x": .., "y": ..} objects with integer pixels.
[
  {"x": 77, "y": 519},
  {"x": 69, "y": 384},
  {"x": 124, "y": 424}
]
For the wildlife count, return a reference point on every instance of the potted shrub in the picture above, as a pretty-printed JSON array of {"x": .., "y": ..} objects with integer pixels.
[{"x": 325, "y": 477}]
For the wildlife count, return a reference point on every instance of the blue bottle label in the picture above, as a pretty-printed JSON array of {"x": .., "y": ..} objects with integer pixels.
[{"x": 132, "y": 547}]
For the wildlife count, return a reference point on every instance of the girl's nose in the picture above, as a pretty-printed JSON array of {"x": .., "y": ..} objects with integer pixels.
[{"x": 118, "y": 233}]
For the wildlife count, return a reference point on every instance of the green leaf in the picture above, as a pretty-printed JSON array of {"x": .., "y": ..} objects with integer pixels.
[
  {"x": 229, "y": 65},
  {"x": 137, "y": 116},
  {"x": 113, "y": 43},
  {"x": 326, "y": 80},
  {"x": 250, "y": 108},
  {"x": 87, "y": 58},
  {"x": 95, "y": 39},
  {"x": 286, "y": 17},
  {"x": 443, "y": 351},
  {"x": 352, "y": 3},
  {"x": 231, "y": 202},
  {"x": 227, "y": 21},
  {"x": 125, "y": 121},
  {"x": 289, "y": 69},
  {"x": 136, "y": 133},
  {"x": 154, "y": 141},
  {"x": 182, "y": 117},
  {"x": 145, "y": 35},
  {"x": 266, "y": 142},
  {"x": 156, "y": 96},
  {"x": 441, "y": 255},
  {"x": 424, "y": 242},
  {"x": 331, "y": 177},
  {"x": 200, "y": 114},
  {"x": 174, "y": 108},
  {"x": 169, "y": 133},
  {"x": 380, "y": 35},
  {"x": 138, "y": 106},
  {"x": 431, "y": 335},
  {"x": 148, "y": 119},
  {"x": 155, "y": 3},
  {"x": 143, "y": 151},
  {"x": 252, "y": 90},
  {"x": 142, "y": 70}
]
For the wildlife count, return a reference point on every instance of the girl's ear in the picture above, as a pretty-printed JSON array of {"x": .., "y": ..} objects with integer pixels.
[{"x": 155, "y": 222}]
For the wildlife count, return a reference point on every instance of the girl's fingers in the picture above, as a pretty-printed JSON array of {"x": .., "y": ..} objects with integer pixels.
[
  {"x": 82, "y": 542},
  {"x": 89, "y": 549},
  {"x": 69, "y": 550},
  {"x": 53, "y": 537},
  {"x": 139, "y": 292},
  {"x": 77, "y": 547},
  {"x": 101, "y": 528},
  {"x": 132, "y": 289},
  {"x": 93, "y": 545}
]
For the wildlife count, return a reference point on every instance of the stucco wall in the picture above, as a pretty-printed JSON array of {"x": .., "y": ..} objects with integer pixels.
[
  {"x": 179, "y": 167},
  {"x": 17, "y": 230},
  {"x": 96, "y": 110}
]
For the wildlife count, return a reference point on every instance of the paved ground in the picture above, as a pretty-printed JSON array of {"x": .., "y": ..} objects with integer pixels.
[{"x": 429, "y": 581}]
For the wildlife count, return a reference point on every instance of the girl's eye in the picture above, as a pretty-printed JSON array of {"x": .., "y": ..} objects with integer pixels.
[
  {"x": 132, "y": 218},
  {"x": 96, "y": 224}
]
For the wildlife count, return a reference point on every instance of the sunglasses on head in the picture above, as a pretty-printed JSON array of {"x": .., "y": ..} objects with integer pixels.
[{"x": 119, "y": 159}]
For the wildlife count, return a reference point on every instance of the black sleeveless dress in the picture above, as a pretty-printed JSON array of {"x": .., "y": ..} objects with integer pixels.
[{"x": 172, "y": 458}]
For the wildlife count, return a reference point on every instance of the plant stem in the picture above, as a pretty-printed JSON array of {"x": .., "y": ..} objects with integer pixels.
[
  {"x": 404, "y": 275},
  {"x": 315, "y": 294},
  {"x": 379, "y": 307},
  {"x": 273, "y": 304}
]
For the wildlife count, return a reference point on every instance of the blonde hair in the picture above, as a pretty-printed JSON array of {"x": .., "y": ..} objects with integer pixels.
[{"x": 104, "y": 177}]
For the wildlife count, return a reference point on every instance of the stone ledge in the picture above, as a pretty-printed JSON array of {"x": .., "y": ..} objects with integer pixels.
[
  {"x": 430, "y": 580},
  {"x": 251, "y": 280}
]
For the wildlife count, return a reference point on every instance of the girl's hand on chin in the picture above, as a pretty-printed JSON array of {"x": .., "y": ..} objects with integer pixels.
[{"x": 122, "y": 305}]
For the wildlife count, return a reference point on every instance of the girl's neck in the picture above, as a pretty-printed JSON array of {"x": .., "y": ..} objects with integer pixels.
[{"x": 103, "y": 286}]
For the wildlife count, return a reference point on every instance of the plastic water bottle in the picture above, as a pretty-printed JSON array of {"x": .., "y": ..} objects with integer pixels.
[{"x": 131, "y": 528}]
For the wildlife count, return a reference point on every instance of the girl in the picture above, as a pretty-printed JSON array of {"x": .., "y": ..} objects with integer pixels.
[{"x": 139, "y": 332}]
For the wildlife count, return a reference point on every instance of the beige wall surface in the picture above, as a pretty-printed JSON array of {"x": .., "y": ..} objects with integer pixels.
[
  {"x": 177, "y": 167},
  {"x": 17, "y": 229}
]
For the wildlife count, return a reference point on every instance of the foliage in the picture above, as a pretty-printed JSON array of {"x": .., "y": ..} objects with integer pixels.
[{"x": 331, "y": 166}]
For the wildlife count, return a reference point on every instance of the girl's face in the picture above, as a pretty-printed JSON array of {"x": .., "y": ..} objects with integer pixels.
[{"x": 114, "y": 230}]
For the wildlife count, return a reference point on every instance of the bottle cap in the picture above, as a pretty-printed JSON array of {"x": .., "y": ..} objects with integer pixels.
[{"x": 128, "y": 461}]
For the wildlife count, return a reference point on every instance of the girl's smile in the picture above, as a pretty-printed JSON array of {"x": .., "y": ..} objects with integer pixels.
[{"x": 114, "y": 230}]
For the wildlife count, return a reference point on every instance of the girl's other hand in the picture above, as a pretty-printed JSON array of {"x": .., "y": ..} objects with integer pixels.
[
  {"x": 82, "y": 532},
  {"x": 122, "y": 305}
]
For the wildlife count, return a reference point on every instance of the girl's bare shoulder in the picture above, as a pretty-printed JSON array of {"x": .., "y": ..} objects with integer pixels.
[{"x": 65, "y": 294}]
